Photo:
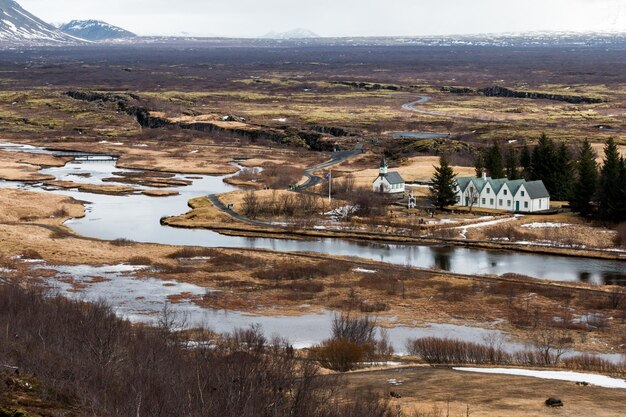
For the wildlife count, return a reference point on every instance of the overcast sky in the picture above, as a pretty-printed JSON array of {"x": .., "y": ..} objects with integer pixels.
[{"x": 250, "y": 18}]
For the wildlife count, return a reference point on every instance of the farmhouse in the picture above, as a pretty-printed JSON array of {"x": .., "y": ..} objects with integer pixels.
[
  {"x": 388, "y": 182},
  {"x": 502, "y": 194}
]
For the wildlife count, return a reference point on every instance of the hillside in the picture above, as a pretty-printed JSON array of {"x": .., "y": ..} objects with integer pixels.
[
  {"x": 19, "y": 27},
  {"x": 95, "y": 30}
]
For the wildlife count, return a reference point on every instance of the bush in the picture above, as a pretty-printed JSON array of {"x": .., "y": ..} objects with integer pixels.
[
  {"x": 341, "y": 355},
  {"x": 190, "y": 252},
  {"x": 122, "y": 242},
  {"x": 621, "y": 235}
]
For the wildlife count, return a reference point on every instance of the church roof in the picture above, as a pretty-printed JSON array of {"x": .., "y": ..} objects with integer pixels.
[{"x": 393, "y": 178}]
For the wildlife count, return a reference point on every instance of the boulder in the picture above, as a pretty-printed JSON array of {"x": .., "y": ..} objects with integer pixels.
[{"x": 554, "y": 402}]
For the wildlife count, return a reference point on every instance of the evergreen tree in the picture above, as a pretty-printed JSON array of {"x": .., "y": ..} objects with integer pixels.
[
  {"x": 610, "y": 186},
  {"x": 585, "y": 181},
  {"x": 479, "y": 165},
  {"x": 443, "y": 184},
  {"x": 621, "y": 215},
  {"x": 525, "y": 160},
  {"x": 512, "y": 171},
  {"x": 545, "y": 164},
  {"x": 564, "y": 174},
  {"x": 494, "y": 162}
]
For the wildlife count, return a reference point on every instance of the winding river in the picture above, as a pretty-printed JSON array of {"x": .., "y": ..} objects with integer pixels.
[{"x": 137, "y": 217}]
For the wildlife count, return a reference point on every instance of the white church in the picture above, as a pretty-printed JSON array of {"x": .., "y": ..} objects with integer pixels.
[
  {"x": 388, "y": 182},
  {"x": 502, "y": 194}
]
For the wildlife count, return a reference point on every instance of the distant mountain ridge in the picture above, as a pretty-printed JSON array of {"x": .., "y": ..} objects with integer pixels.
[
  {"x": 292, "y": 34},
  {"x": 19, "y": 27},
  {"x": 95, "y": 30}
]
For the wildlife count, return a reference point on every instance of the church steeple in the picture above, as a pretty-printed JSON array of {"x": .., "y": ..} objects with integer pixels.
[{"x": 383, "y": 166}]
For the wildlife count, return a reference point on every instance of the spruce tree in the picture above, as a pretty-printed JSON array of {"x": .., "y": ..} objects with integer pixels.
[
  {"x": 525, "y": 160},
  {"x": 443, "y": 184},
  {"x": 564, "y": 174},
  {"x": 545, "y": 164},
  {"x": 512, "y": 171},
  {"x": 479, "y": 164},
  {"x": 494, "y": 162},
  {"x": 610, "y": 187},
  {"x": 621, "y": 215},
  {"x": 585, "y": 181}
]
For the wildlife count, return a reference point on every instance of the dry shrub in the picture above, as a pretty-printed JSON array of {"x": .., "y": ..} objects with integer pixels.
[
  {"x": 173, "y": 269},
  {"x": 60, "y": 234},
  {"x": 60, "y": 213},
  {"x": 385, "y": 283},
  {"x": 306, "y": 286},
  {"x": 30, "y": 254},
  {"x": 373, "y": 307},
  {"x": 452, "y": 293},
  {"x": 620, "y": 240},
  {"x": 191, "y": 252},
  {"x": 591, "y": 363},
  {"x": 139, "y": 260},
  {"x": 83, "y": 355},
  {"x": 123, "y": 242},
  {"x": 453, "y": 351},
  {"x": 288, "y": 271},
  {"x": 341, "y": 355}
]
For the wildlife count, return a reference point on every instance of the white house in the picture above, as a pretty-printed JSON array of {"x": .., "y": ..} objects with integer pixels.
[
  {"x": 502, "y": 194},
  {"x": 388, "y": 182}
]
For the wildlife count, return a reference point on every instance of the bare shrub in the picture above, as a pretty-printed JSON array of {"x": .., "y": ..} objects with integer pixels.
[
  {"x": 191, "y": 252},
  {"x": 60, "y": 233},
  {"x": 122, "y": 242},
  {"x": 139, "y": 260},
  {"x": 373, "y": 307},
  {"x": 30, "y": 254},
  {"x": 83, "y": 354},
  {"x": 454, "y": 351},
  {"x": 288, "y": 271},
  {"x": 590, "y": 363},
  {"x": 60, "y": 213},
  {"x": 341, "y": 355},
  {"x": 360, "y": 330},
  {"x": 382, "y": 282},
  {"x": 306, "y": 286}
]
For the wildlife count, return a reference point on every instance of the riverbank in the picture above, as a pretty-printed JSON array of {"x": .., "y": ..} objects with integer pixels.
[{"x": 205, "y": 215}]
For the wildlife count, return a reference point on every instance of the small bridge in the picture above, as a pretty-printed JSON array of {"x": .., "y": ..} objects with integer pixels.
[{"x": 87, "y": 156}]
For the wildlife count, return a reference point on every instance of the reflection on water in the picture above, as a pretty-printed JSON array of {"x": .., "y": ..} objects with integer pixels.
[{"x": 137, "y": 217}]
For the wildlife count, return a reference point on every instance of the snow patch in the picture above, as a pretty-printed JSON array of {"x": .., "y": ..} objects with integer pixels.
[
  {"x": 594, "y": 379},
  {"x": 365, "y": 271},
  {"x": 546, "y": 225}
]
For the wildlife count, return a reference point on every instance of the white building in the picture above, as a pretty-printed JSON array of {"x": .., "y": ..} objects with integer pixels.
[
  {"x": 388, "y": 182},
  {"x": 502, "y": 194}
]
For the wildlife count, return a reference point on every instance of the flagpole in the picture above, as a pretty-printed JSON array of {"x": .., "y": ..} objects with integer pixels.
[{"x": 330, "y": 185}]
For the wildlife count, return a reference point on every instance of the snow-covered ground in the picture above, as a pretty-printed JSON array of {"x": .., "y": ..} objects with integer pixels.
[
  {"x": 545, "y": 225},
  {"x": 366, "y": 271},
  {"x": 594, "y": 379}
]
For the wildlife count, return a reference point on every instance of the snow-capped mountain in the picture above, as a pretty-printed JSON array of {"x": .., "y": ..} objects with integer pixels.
[
  {"x": 19, "y": 27},
  {"x": 95, "y": 30},
  {"x": 292, "y": 34}
]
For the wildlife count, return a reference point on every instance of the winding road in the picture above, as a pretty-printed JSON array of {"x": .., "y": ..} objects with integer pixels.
[
  {"x": 312, "y": 180},
  {"x": 425, "y": 99}
]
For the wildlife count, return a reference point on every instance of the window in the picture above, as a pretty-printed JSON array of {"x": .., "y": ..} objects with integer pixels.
[
  {"x": 506, "y": 192},
  {"x": 523, "y": 194},
  {"x": 491, "y": 201},
  {"x": 488, "y": 190},
  {"x": 484, "y": 201},
  {"x": 508, "y": 203},
  {"x": 525, "y": 204},
  {"x": 500, "y": 202}
]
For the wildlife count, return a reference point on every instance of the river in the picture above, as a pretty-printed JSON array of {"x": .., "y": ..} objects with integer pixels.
[{"x": 137, "y": 217}]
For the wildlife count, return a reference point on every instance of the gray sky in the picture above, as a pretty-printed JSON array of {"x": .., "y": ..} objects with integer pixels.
[{"x": 250, "y": 18}]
